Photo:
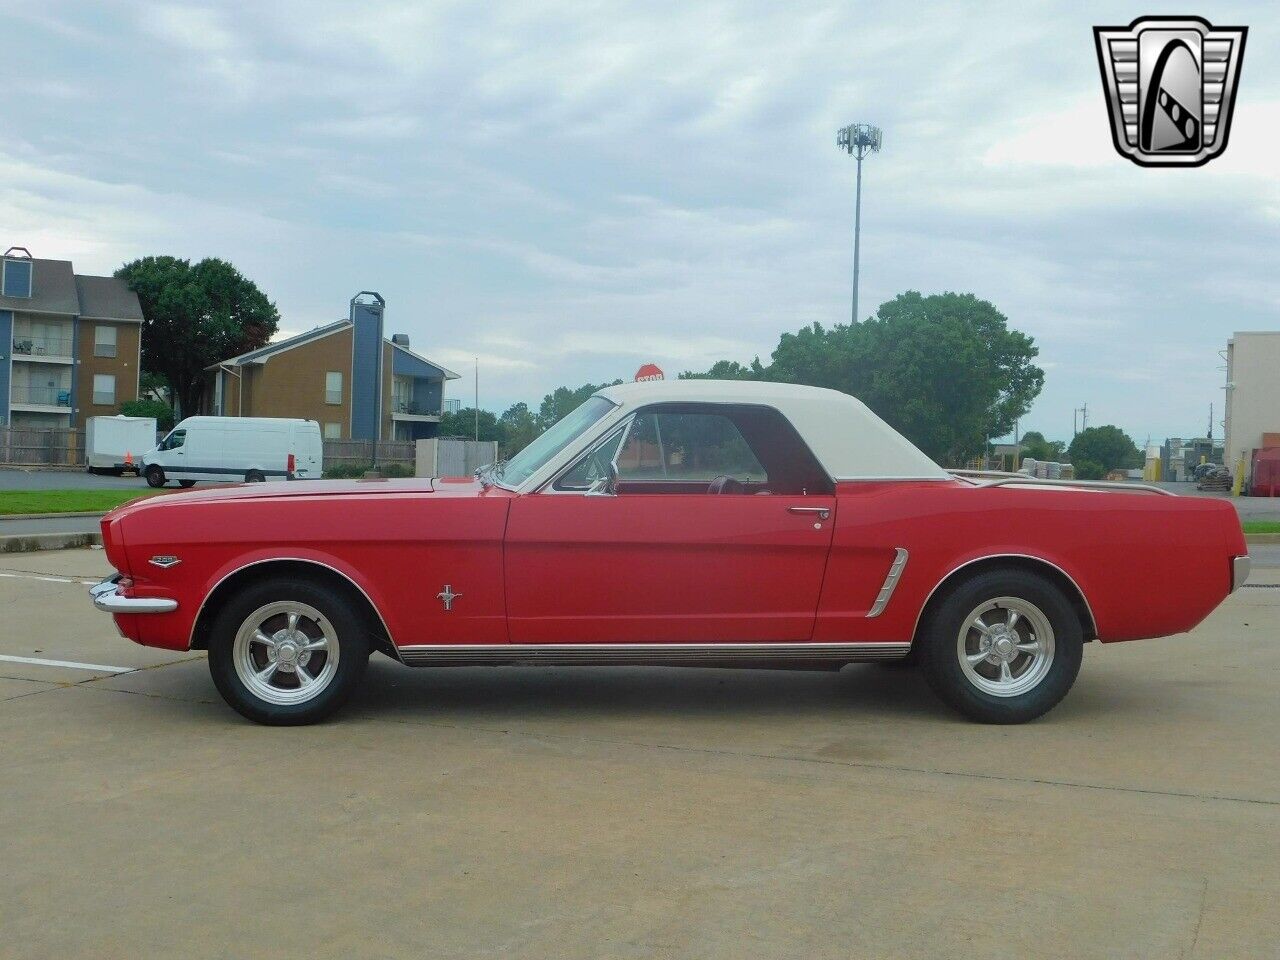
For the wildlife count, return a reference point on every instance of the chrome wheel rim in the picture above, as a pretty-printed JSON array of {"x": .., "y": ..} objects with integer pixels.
[
  {"x": 286, "y": 653},
  {"x": 1005, "y": 647}
]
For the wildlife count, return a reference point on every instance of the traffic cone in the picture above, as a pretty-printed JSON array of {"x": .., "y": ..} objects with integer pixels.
[{"x": 128, "y": 460}]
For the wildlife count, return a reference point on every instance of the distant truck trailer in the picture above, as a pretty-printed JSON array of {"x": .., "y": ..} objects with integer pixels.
[{"x": 116, "y": 444}]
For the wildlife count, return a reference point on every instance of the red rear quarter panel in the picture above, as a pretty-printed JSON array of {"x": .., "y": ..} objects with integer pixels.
[
  {"x": 400, "y": 546},
  {"x": 1147, "y": 565}
]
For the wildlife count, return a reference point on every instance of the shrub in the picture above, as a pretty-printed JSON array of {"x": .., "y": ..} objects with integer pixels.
[
  {"x": 1089, "y": 470},
  {"x": 354, "y": 471},
  {"x": 158, "y": 409}
]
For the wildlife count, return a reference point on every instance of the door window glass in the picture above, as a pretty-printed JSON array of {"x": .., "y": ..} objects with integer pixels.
[{"x": 687, "y": 447}]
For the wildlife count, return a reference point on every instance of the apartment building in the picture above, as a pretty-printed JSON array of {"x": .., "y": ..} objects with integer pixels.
[
  {"x": 1253, "y": 395},
  {"x": 70, "y": 344},
  {"x": 346, "y": 375}
]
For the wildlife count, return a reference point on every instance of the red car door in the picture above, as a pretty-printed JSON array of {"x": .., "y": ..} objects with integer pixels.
[
  {"x": 672, "y": 557},
  {"x": 655, "y": 568}
]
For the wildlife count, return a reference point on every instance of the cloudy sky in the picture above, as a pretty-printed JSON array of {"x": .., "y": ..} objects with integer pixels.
[{"x": 569, "y": 189}]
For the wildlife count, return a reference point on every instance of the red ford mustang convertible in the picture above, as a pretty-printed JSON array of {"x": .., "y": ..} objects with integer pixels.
[{"x": 694, "y": 522}]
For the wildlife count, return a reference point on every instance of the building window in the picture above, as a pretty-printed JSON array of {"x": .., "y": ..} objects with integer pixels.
[
  {"x": 16, "y": 281},
  {"x": 104, "y": 389},
  {"x": 104, "y": 340},
  {"x": 333, "y": 431},
  {"x": 333, "y": 387}
]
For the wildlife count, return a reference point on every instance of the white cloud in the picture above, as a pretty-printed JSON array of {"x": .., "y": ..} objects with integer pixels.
[{"x": 568, "y": 190}]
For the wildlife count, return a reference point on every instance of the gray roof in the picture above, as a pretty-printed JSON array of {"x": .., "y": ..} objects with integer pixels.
[
  {"x": 262, "y": 354},
  {"x": 106, "y": 298},
  {"x": 55, "y": 288}
]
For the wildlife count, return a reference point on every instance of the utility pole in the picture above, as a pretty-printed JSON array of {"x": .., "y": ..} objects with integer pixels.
[
  {"x": 858, "y": 139},
  {"x": 1211, "y": 420},
  {"x": 477, "y": 410},
  {"x": 1083, "y": 419}
]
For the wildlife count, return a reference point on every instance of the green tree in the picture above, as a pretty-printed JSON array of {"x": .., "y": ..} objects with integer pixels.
[
  {"x": 1035, "y": 446},
  {"x": 1107, "y": 446},
  {"x": 564, "y": 400},
  {"x": 1089, "y": 470},
  {"x": 195, "y": 315},
  {"x": 945, "y": 370},
  {"x": 463, "y": 424},
  {"x": 520, "y": 427},
  {"x": 158, "y": 409},
  {"x": 730, "y": 370}
]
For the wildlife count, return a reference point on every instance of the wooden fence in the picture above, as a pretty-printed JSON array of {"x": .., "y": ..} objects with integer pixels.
[
  {"x": 34, "y": 447},
  {"x": 345, "y": 453}
]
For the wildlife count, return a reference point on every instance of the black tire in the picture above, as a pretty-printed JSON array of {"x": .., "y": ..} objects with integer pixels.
[
  {"x": 254, "y": 476},
  {"x": 940, "y": 654},
  {"x": 186, "y": 484},
  {"x": 155, "y": 475},
  {"x": 352, "y": 640}
]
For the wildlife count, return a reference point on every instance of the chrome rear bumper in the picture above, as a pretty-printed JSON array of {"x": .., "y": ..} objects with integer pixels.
[
  {"x": 1240, "y": 567},
  {"x": 106, "y": 597}
]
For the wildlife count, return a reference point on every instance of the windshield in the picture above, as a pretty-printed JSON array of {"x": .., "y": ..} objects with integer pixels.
[{"x": 537, "y": 454}]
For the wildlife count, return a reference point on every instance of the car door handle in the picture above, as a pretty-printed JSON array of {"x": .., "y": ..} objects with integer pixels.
[{"x": 822, "y": 512}]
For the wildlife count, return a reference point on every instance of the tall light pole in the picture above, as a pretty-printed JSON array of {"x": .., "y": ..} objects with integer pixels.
[{"x": 858, "y": 139}]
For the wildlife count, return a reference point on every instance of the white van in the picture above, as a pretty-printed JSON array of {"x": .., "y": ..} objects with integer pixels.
[{"x": 251, "y": 449}]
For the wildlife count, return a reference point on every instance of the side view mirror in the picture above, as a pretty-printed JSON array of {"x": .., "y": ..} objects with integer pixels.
[{"x": 606, "y": 486}]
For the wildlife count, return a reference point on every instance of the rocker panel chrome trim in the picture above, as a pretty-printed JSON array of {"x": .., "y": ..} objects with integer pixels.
[
  {"x": 891, "y": 579},
  {"x": 668, "y": 654}
]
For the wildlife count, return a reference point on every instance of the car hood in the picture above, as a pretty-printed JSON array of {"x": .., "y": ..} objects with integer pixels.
[{"x": 274, "y": 490}]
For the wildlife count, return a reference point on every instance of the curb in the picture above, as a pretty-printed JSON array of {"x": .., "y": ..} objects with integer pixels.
[
  {"x": 51, "y": 516},
  {"x": 1262, "y": 538},
  {"x": 27, "y": 543}
]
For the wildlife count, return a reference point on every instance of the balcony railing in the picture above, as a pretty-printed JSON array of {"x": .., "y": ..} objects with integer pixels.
[
  {"x": 415, "y": 409},
  {"x": 42, "y": 347},
  {"x": 45, "y": 396}
]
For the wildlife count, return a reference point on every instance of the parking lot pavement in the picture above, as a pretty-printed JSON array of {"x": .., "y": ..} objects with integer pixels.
[{"x": 632, "y": 812}]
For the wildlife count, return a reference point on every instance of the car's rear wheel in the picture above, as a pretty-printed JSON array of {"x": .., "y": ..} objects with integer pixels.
[
  {"x": 186, "y": 484},
  {"x": 254, "y": 476},
  {"x": 1003, "y": 647},
  {"x": 155, "y": 475},
  {"x": 287, "y": 651}
]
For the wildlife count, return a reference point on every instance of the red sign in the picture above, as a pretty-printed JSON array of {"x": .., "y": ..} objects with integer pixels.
[{"x": 650, "y": 371}]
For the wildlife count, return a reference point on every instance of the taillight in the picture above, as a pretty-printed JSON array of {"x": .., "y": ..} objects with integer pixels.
[{"x": 293, "y": 462}]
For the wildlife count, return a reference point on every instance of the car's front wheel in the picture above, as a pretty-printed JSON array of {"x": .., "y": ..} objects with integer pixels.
[
  {"x": 287, "y": 651},
  {"x": 1003, "y": 647}
]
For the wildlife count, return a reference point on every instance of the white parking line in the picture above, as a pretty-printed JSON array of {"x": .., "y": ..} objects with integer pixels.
[
  {"x": 71, "y": 664},
  {"x": 46, "y": 578}
]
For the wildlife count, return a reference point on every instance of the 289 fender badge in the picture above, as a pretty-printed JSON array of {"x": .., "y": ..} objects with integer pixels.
[
  {"x": 1170, "y": 84},
  {"x": 164, "y": 561}
]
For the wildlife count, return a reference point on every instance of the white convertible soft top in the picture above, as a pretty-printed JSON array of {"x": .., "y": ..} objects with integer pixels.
[{"x": 850, "y": 441}]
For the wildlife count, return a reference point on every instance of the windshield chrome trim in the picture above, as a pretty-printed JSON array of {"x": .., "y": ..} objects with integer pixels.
[
  {"x": 570, "y": 451},
  {"x": 624, "y": 425}
]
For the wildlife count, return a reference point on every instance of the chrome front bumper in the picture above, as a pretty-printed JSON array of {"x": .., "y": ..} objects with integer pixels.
[
  {"x": 106, "y": 597},
  {"x": 1240, "y": 567}
]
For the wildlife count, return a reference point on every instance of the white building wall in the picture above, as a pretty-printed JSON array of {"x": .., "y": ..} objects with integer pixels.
[{"x": 1253, "y": 393}]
